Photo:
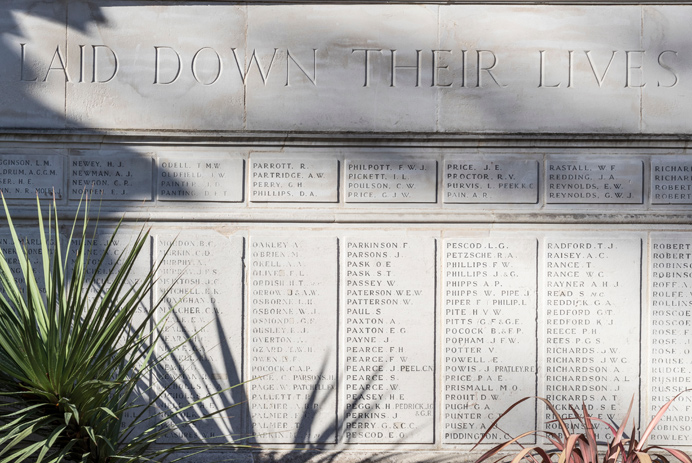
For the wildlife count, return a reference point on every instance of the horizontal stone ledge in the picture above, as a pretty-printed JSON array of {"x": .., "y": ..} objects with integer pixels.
[
  {"x": 622, "y": 141},
  {"x": 398, "y": 216}
]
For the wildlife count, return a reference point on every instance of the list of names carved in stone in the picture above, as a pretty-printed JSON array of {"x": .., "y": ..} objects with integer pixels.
[
  {"x": 490, "y": 179},
  {"x": 390, "y": 180},
  {"x": 594, "y": 181},
  {"x": 199, "y": 177},
  {"x": 590, "y": 322},
  {"x": 670, "y": 369},
  {"x": 292, "y": 339},
  {"x": 388, "y": 328},
  {"x": 29, "y": 175},
  {"x": 109, "y": 178},
  {"x": 200, "y": 280},
  {"x": 489, "y": 319}
]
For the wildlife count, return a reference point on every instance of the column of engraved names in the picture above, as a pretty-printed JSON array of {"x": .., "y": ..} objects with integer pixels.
[
  {"x": 98, "y": 271},
  {"x": 670, "y": 368},
  {"x": 293, "y": 312},
  {"x": 591, "y": 324},
  {"x": 201, "y": 279},
  {"x": 489, "y": 349},
  {"x": 389, "y": 340}
]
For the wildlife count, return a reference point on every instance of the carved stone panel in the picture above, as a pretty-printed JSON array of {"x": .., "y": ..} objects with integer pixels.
[
  {"x": 199, "y": 177},
  {"x": 292, "y": 339},
  {"x": 489, "y": 351},
  {"x": 111, "y": 178},
  {"x": 388, "y": 329},
  {"x": 297, "y": 180},
  {"x": 27, "y": 175},
  {"x": 490, "y": 179},
  {"x": 594, "y": 181},
  {"x": 670, "y": 352},
  {"x": 590, "y": 324},
  {"x": 671, "y": 181},
  {"x": 390, "y": 180},
  {"x": 203, "y": 328}
]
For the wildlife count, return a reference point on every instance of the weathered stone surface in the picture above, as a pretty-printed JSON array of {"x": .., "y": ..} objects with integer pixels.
[
  {"x": 293, "y": 349},
  {"x": 389, "y": 340},
  {"x": 25, "y": 176},
  {"x": 386, "y": 68},
  {"x": 203, "y": 306},
  {"x": 190, "y": 176},
  {"x": 489, "y": 350},
  {"x": 391, "y": 179},
  {"x": 594, "y": 181},
  {"x": 110, "y": 177},
  {"x": 294, "y": 180},
  {"x": 490, "y": 179},
  {"x": 590, "y": 324}
]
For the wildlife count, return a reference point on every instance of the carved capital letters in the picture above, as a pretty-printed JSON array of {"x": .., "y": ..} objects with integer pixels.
[
  {"x": 667, "y": 68},
  {"x": 22, "y": 76},
  {"x": 436, "y": 67},
  {"x": 367, "y": 62},
  {"x": 94, "y": 77},
  {"x": 157, "y": 65}
]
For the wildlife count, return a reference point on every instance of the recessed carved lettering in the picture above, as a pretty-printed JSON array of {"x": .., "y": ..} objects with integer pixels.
[
  {"x": 589, "y": 325},
  {"x": 671, "y": 181},
  {"x": 477, "y": 179},
  {"x": 282, "y": 179},
  {"x": 28, "y": 175},
  {"x": 594, "y": 181},
  {"x": 670, "y": 352},
  {"x": 204, "y": 306},
  {"x": 391, "y": 180},
  {"x": 292, "y": 334},
  {"x": 489, "y": 351},
  {"x": 389, "y": 340},
  {"x": 110, "y": 178},
  {"x": 200, "y": 177}
]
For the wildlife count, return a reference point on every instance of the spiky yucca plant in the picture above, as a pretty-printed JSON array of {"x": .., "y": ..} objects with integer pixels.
[{"x": 72, "y": 355}]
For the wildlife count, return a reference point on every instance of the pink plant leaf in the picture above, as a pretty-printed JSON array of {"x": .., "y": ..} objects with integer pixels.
[
  {"x": 621, "y": 429},
  {"x": 569, "y": 447},
  {"x": 590, "y": 435},
  {"x": 655, "y": 420},
  {"x": 557, "y": 416},
  {"x": 485, "y": 434}
]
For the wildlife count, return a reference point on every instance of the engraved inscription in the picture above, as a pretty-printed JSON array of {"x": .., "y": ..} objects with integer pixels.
[
  {"x": 293, "y": 310},
  {"x": 31, "y": 241},
  {"x": 601, "y": 181},
  {"x": 671, "y": 182},
  {"x": 391, "y": 181},
  {"x": 389, "y": 340},
  {"x": 590, "y": 330},
  {"x": 200, "y": 177},
  {"x": 670, "y": 369},
  {"x": 110, "y": 177},
  {"x": 489, "y": 351},
  {"x": 99, "y": 271},
  {"x": 277, "y": 179},
  {"x": 490, "y": 180},
  {"x": 27, "y": 175},
  {"x": 205, "y": 306}
]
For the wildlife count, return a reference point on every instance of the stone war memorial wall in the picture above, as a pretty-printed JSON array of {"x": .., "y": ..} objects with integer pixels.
[{"x": 394, "y": 219}]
